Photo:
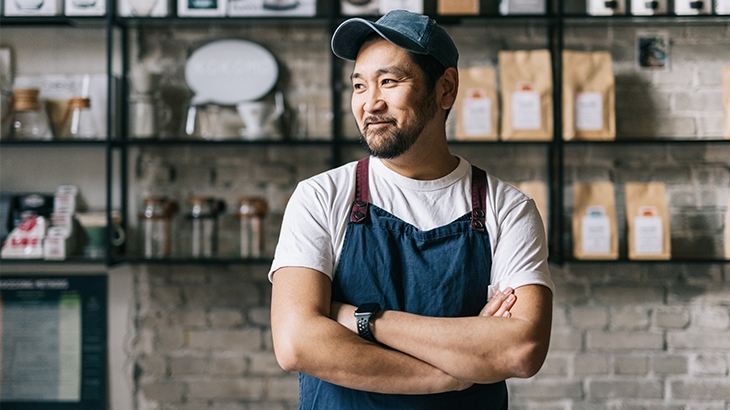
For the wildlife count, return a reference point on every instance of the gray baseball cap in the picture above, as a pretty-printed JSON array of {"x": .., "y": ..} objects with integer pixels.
[{"x": 412, "y": 31}]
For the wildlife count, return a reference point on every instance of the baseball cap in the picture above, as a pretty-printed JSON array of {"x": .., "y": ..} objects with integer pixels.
[{"x": 412, "y": 31}]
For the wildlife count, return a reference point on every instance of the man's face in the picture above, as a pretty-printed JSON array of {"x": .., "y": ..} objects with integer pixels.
[{"x": 389, "y": 99}]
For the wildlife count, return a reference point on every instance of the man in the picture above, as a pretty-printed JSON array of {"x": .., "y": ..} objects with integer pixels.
[{"x": 384, "y": 266}]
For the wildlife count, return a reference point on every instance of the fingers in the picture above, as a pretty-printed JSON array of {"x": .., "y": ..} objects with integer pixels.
[{"x": 500, "y": 304}]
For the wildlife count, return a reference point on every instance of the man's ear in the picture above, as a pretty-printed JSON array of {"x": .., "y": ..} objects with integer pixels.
[{"x": 448, "y": 87}]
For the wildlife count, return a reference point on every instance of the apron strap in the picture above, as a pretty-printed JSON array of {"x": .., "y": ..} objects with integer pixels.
[
  {"x": 478, "y": 195},
  {"x": 360, "y": 205}
]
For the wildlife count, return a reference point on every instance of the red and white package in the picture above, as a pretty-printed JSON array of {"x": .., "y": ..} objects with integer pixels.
[{"x": 26, "y": 240}]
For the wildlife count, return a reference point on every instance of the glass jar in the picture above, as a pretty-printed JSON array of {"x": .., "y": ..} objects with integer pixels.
[
  {"x": 203, "y": 218},
  {"x": 251, "y": 211},
  {"x": 156, "y": 225},
  {"x": 30, "y": 121},
  {"x": 78, "y": 121}
]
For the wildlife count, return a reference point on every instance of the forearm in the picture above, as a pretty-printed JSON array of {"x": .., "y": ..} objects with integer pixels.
[
  {"x": 478, "y": 349},
  {"x": 308, "y": 341},
  {"x": 481, "y": 349},
  {"x": 330, "y": 352}
]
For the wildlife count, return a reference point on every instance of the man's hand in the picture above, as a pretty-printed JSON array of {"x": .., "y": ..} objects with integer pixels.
[{"x": 500, "y": 304}]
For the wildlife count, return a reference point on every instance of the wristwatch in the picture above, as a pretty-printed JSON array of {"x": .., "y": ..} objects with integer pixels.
[{"x": 362, "y": 315}]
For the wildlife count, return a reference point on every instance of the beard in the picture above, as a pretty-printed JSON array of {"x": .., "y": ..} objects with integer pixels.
[{"x": 392, "y": 141}]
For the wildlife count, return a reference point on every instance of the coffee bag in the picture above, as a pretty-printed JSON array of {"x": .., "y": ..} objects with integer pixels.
[
  {"x": 595, "y": 231},
  {"x": 526, "y": 88},
  {"x": 589, "y": 111},
  {"x": 647, "y": 216},
  {"x": 476, "y": 104},
  {"x": 537, "y": 190},
  {"x": 465, "y": 7}
]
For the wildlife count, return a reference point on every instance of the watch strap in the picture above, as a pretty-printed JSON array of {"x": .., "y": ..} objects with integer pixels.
[{"x": 363, "y": 328}]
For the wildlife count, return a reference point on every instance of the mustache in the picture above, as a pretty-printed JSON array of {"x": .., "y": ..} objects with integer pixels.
[{"x": 378, "y": 119}]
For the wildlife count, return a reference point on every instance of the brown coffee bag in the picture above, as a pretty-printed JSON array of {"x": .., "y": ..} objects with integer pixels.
[
  {"x": 526, "y": 89},
  {"x": 726, "y": 99},
  {"x": 647, "y": 216},
  {"x": 537, "y": 190},
  {"x": 589, "y": 111},
  {"x": 476, "y": 104},
  {"x": 595, "y": 231},
  {"x": 465, "y": 7}
]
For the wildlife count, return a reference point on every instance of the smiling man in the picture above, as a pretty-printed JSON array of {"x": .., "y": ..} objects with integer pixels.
[{"x": 409, "y": 279}]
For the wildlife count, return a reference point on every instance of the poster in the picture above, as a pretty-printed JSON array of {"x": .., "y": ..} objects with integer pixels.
[{"x": 53, "y": 342}]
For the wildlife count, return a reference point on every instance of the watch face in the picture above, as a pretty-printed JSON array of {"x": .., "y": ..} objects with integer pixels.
[{"x": 367, "y": 308}]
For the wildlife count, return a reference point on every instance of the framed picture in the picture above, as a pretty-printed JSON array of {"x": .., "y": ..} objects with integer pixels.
[
  {"x": 53, "y": 342},
  {"x": 652, "y": 51}
]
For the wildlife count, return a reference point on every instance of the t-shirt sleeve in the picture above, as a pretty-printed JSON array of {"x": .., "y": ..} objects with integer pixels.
[
  {"x": 520, "y": 250},
  {"x": 304, "y": 239}
]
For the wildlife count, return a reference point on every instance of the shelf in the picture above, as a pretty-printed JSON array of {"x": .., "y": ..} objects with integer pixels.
[
  {"x": 53, "y": 21},
  {"x": 55, "y": 143},
  {"x": 650, "y": 141},
  {"x": 627, "y": 260},
  {"x": 69, "y": 261},
  {"x": 134, "y": 22},
  {"x": 661, "y": 20},
  {"x": 194, "y": 261},
  {"x": 198, "y": 142}
]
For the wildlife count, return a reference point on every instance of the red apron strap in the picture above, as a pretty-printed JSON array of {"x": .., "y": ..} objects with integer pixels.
[
  {"x": 360, "y": 205},
  {"x": 478, "y": 197}
]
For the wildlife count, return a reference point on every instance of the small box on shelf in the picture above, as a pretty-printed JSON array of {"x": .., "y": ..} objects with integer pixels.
[
  {"x": 271, "y": 8},
  {"x": 359, "y": 7},
  {"x": 606, "y": 7},
  {"x": 85, "y": 7},
  {"x": 202, "y": 8},
  {"x": 32, "y": 7},
  {"x": 692, "y": 7},
  {"x": 144, "y": 8}
]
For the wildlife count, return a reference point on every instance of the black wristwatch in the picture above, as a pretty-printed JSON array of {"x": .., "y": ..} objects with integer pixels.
[{"x": 362, "y": 315}]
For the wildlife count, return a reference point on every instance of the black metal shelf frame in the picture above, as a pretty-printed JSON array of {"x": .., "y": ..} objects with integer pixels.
[{"x": 117, "y": 129}]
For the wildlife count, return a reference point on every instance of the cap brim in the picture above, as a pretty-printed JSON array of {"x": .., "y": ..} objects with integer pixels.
[{"x": 350, "y": 35}]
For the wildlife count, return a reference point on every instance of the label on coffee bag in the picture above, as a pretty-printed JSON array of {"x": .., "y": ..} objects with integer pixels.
[
  {"x": 589, "y": 111},
  {"x": 526, "y": 108},
  {"x": 596, "y": 230},
  {"x": 477, "y": 115}
]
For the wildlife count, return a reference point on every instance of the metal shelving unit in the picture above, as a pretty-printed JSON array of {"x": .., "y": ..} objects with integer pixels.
[{"x": 117, "y": 144}]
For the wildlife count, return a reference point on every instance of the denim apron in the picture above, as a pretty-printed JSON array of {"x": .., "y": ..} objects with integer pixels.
[{"x": 442, "y": 272}]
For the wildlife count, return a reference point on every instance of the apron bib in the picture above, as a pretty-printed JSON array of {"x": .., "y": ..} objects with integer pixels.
[{"x": 442, "y": 272}]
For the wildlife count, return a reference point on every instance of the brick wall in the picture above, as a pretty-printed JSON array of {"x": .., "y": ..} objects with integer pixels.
[{"x": 643, "y": 336}]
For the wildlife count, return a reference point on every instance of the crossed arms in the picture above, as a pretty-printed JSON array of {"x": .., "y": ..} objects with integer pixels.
[{"x": 415, "y": 354}]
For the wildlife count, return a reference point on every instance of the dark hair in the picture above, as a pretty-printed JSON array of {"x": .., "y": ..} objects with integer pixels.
[{"x": 432, "y": 68}]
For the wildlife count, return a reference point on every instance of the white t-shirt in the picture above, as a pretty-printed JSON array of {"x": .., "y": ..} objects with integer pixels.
[{"x": 315, "y": 220}]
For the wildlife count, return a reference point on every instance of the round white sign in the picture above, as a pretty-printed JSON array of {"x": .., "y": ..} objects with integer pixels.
[{"x": 230, "y": 71}]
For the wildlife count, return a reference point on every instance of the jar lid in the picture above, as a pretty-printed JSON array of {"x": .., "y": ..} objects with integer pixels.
[
  {"x": 25, "y": 99},
  {"x": 199, "y": 200},
  {"x": 21, "y": 93},
  {"x": 206, "y": 206},
  {"x": 79, "y": 103},
  {"x": 154, "y": 200},
  {"x": 252, "y": 206}
]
